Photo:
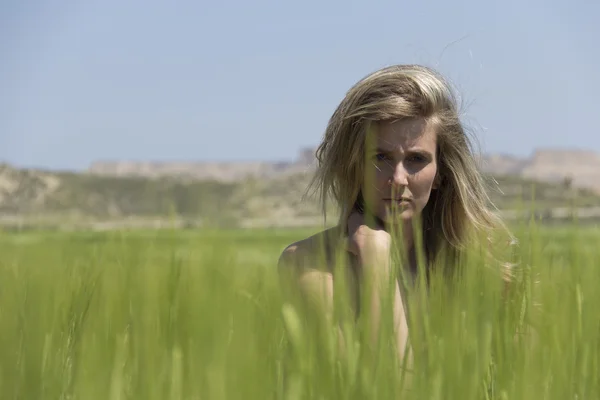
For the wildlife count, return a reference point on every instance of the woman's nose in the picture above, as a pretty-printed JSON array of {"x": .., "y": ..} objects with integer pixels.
[{"x": 400, "y": 175}]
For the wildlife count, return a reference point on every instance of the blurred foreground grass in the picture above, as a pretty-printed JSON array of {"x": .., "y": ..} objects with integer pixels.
[{"x": 199, "y": 315}]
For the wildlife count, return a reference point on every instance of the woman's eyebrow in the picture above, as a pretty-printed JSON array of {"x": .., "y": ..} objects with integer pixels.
[
  {"x": 380, "y": 149},
  {"x": 418, "y": 150}
]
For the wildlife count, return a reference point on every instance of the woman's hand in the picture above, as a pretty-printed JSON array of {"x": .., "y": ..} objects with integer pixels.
[{"x": 371, "y": 244}]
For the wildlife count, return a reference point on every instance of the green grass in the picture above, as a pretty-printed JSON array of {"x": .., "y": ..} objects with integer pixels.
[{"x": 199, "y": 315}]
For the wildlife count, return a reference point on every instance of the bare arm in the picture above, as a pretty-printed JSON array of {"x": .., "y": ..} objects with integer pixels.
[
  {"x": 314, "y": 287},
  {"x": 380, "y": 287}
]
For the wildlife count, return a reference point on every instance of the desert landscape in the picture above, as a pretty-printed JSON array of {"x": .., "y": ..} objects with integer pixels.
[
  {"x": 548, "y": 165},
  {"x": 112, "y": 194}
]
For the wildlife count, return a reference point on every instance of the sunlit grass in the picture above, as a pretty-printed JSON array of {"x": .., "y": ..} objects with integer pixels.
[{"x": 199, "y": 315}]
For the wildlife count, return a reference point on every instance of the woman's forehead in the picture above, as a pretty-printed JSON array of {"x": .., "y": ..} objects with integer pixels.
[{"x": 404, "y": 133}]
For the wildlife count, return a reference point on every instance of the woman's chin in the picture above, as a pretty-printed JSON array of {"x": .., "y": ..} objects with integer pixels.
[{"x": 398, "y": 217}]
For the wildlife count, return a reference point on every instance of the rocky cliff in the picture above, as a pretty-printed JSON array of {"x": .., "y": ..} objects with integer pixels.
[
  {"x": 581, "y": 167},
  {"x": 152, "y": 195},
  {"x": 219, "y": 171}
]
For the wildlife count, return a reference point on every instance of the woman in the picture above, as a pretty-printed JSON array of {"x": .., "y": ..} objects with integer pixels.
[{"x": 395, "y": 150}]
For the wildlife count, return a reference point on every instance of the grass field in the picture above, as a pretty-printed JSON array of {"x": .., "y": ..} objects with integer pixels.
[{"x": 199, "y": 315}]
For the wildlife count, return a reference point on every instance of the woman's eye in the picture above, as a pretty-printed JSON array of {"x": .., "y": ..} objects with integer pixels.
[{"x": 417, "y": 158}]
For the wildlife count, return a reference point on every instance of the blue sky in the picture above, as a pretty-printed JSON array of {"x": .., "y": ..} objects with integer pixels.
[{"x": 253, "y": 80}]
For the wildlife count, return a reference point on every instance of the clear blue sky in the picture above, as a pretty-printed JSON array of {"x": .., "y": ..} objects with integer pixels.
[{"x": 251, "y": 80}]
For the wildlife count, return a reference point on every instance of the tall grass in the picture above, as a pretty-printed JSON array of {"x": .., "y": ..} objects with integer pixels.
[{"x": 200, "y": 315}]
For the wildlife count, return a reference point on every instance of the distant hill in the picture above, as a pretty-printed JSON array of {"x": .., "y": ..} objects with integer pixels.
[
  {"x": 226, "y": 171},
  {"x": 582, "y": 167},
  {"x": 70, "y": 199}
]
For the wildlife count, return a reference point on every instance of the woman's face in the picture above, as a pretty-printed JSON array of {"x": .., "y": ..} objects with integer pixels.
[{"x": 401, "y": 170}]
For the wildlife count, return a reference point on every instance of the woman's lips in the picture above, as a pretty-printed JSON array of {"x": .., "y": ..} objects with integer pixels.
[{"x": 399, "y": 202}]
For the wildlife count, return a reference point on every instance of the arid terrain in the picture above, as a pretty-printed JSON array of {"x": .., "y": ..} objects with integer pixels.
[
  {"x": 548, "y": 165},
  {"x": 147, "y": 194}
]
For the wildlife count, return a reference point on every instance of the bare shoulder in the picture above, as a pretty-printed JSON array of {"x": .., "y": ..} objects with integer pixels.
[
  {"x": 305, "y": 265},
  {"x": 310, "y": 252}
]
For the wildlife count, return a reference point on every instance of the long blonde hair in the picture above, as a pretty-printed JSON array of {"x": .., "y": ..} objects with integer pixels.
[{"x": 461, "y": 206}]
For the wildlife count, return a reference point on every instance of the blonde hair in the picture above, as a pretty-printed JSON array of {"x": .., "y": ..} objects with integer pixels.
[{"x": 460, "y": 206}]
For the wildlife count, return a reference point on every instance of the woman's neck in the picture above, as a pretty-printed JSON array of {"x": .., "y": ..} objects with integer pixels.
[{"x": 403, "y": 235}]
